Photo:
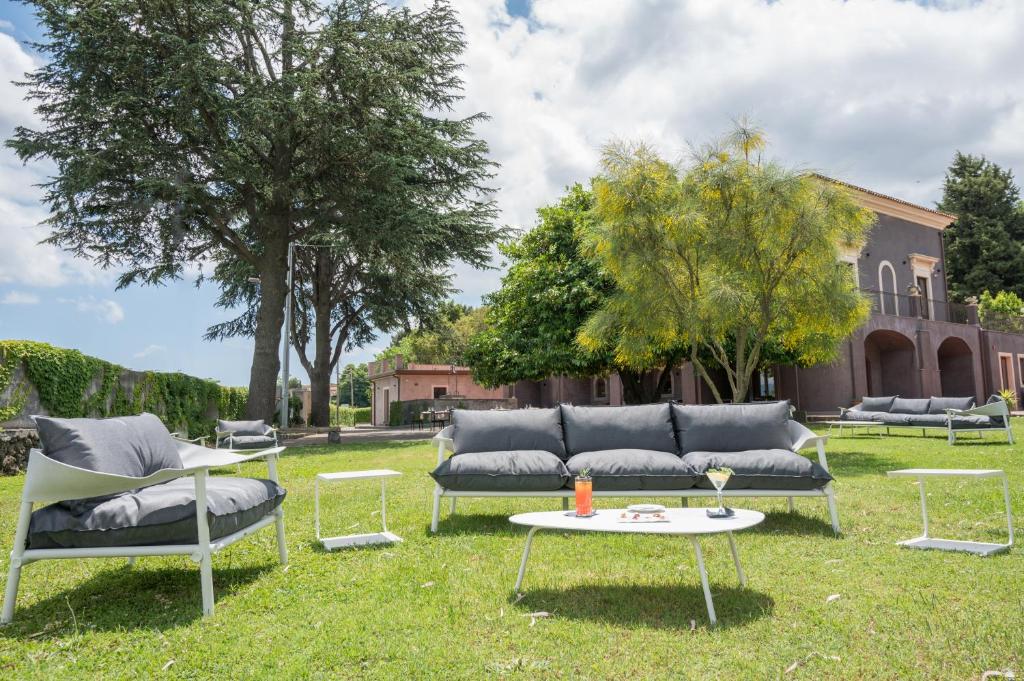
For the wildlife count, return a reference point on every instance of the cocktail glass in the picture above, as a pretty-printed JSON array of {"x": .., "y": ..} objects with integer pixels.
[{"x": 719, "y": 477}]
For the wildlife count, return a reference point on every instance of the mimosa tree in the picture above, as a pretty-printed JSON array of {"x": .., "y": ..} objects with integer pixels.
[{"x": 729, "y": 254}]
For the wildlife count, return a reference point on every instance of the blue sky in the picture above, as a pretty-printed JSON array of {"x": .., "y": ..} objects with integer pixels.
[{"x": 876, "y": 92}]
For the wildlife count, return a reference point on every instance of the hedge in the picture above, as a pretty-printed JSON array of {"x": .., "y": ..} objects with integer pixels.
[
  {"x": 349, "y": 416},
  {"x": 64, "y": 380}
]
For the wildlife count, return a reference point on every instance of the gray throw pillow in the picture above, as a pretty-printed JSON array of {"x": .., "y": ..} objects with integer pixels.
[
  {"x": 134, "y": 446},
  {"x": 508, "y": 430},
  {"x": 907, "y": 406},
  {"x": 876, "y": 403},
  {"x": 732, "y": 427},
  {"x": 591, "y": 429},
  {"x": 257, "y": 427},
  {"x": 939, "y": 405}
]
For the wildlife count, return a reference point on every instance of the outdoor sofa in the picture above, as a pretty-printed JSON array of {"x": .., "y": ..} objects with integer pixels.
[
  {"x": 124, "y": 487},
  {"x": 245, "y": 434},
  {"x": 656, "y": 450},
  {"x": 955, "y": 415}
]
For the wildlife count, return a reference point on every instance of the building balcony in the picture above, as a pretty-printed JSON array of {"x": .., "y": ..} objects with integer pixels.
[{"x": 920, "y": 307}]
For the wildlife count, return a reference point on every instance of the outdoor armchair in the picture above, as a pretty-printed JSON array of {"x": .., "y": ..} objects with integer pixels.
[
  {"x": 245, "y": 434},
  {"x": 165, "y": 511}
]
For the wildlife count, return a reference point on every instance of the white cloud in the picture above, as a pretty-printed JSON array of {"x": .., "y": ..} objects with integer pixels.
[
  {"x": 879, "y": 93},
  {"x": 20, "y": 298},
  {"x": 103, "y": 309},
  {"x": 6, "y": 26},
  {"x": 149, "y": 350}
]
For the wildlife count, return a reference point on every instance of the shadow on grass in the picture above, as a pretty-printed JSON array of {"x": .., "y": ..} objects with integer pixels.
[
  {"x": 798, "y": 522},
  {"x": 125, "y": 599},
  {"x": 857, "y": 463},
  {"x": 476, "y": 523},
  {"x": 660, "y": 606}
]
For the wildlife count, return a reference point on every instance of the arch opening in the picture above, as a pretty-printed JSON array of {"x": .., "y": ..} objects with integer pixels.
[
  {"x": 956, "y": 368},
  {"x": 891, "y": 367}
]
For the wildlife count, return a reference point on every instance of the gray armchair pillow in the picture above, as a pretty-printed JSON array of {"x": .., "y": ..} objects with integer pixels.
[
  {"x": 257, "y": 427},
  {"x": 134, "y": 446},
  {"x": 732, "y": 427}
]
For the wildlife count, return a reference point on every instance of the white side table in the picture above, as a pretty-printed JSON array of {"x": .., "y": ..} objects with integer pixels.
[
  {"x": 382, "y": 537},
  {"x": 976, "y": 547}
]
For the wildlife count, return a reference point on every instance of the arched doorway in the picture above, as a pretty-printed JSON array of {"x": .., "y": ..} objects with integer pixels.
[
  {"x": 956, "y": 368},
  {"x": 891, "y": 369}
]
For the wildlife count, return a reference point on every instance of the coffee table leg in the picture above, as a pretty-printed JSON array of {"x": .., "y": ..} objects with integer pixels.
[
  {"x": 703, "y": 580},
  {"x": 736, "y": 560},
  {"x": 526, "y": 555}
]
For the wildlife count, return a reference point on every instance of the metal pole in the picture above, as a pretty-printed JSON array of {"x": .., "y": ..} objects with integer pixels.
[
  {"x": 286, "y": 345},
  {"x": 352, "y": 386}
]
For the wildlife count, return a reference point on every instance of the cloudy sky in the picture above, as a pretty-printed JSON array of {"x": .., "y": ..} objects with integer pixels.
[{"x": 875, "y": 92}]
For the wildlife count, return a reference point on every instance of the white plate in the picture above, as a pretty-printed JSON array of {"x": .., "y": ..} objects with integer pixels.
[{"x": 646, "y": 508}]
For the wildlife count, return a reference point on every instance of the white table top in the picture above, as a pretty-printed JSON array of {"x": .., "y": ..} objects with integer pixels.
[
  {"x": 358, "y": 475},
  {"x": 687, "y": 521},
  {"x": 952, "y": 472}
]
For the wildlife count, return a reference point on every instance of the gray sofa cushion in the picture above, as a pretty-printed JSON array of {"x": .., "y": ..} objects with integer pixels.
[
  {"x": 939, "y": 405},
  {"x": 877, "y": 403},
  {"x": 250, "y": 441},
  {"x": 156, "y": 515},
  {"x": 761, "y": 469},
  {"x": 134, "y": 446},
  {"x": 258, "y": 427},
  {"x": 517, "y": 429},
  {"x": 507, "y": 471},
  {"x": 927, "y": 420},
  {"x": 907, "y": 406},
  {"x": 732, "y": 427},
  {"x": 891, "y": 419},
  {"x": 633, "y": 469},
  {"x": 647, "y": 426}
]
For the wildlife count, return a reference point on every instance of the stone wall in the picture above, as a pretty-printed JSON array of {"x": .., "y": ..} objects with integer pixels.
[{"x": 14, "y": 447}]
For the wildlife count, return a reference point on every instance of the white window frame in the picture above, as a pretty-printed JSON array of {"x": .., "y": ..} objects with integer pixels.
[
  {"x": 881, "y": 288},
  {"x": 924, "y": 266}
]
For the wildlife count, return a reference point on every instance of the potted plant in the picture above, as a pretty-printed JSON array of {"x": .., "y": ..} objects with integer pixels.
[{"x": 584, "y": 486}]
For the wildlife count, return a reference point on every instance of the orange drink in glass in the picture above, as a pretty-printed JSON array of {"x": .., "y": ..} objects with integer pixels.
[{"x": 584, "y": 496}]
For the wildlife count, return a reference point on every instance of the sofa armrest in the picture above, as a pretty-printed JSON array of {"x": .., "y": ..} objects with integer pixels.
[
  {"x": 804, "y": 437},
  {"x": 445, "y": 443},
  {"x": 995, "y": 408}
]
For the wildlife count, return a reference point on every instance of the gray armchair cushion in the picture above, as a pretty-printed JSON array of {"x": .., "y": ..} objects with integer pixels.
[
  {"x": 939, "y": 405},
  {"x": 510, "y": 430},
  {"x": 508, "y": 471},
  {"x": 156, "y": 515},
  {"x": 905, "y": 406},
  {"x": 251, "y": 441},
  {"x": 877, "y": 403},
  {"x": 732, "y": 427},
  {"x": 971, "y": 422},
  {"x": 647, "y": 426},
  {"x": 761, "y": 469},
  {"x": 257, "y": 427},
  {"x": 134, "y": 446},
  {"x": 633, "y": 469}
]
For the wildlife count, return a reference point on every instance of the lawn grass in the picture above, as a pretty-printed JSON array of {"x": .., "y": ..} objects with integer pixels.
[{"x": 621, "y": 606}]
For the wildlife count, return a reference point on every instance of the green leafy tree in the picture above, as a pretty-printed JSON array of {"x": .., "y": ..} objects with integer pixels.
[
  {"x": 548, "y": 293},
  {"x": 219, "y": 132},
  {"x": 441, "y": 338},
  {"x": 730, "y": 255},
  {"x": 1003, "y": 311},
  {"x": 985, "y": 245},
  {"x": 355, "y": 384}
]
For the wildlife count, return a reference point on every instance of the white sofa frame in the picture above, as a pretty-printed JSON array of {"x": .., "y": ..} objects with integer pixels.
[
  {"x": 48, "y": 480},
  {"x": 997, "y": 408},
  {"x": 803, "y": 438}
]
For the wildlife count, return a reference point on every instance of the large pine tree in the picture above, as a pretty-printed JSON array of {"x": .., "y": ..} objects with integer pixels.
[
  {"x": 985, "y": 245},
  {"x": 220, "y": 131}
]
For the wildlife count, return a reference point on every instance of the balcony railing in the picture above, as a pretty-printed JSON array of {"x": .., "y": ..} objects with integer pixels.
[{"x": 902, "y": 305}]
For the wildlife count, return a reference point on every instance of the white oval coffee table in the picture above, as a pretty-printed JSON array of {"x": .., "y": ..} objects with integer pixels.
[{"x": 688, "y": 522}]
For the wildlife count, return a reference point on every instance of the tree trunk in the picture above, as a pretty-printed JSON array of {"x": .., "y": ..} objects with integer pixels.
[
  {"x": 320, "y": 385},
  {"x": 266, "y": 362},
  {"x": 633, "y": 389}
]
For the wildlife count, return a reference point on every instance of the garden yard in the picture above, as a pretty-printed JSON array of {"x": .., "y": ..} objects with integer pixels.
[{"x": 595, "y": 606}]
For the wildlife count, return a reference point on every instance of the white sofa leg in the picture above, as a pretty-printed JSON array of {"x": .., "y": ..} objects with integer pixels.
[
  {"x": 15, "y": 564},
  {"x": 565, "y": 503},
  {"x": 282, "y": 548},
  {"x": 684, "y": 502},
  {"x": 1009, "y": 431},
  {"x": 131, "y": 562},
  {"x": 789, "y": 504},
  {"x": 437, "y": 509},
  {"x": 451, "y": 505},
  {"x": 832, "y": 510},
  {"x": 206, "y": 582},
  {"x": 203, "y": 535}
]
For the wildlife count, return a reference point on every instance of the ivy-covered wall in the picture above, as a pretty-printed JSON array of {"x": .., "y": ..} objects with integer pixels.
[{"x": 40, "y": 378}]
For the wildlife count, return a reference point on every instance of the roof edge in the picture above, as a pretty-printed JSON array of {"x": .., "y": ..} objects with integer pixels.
[{"x": 895, "y": 207}]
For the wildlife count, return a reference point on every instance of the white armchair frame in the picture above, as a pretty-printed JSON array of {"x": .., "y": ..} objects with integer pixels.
[
  {"x": 994, "y": 408},
  {"x": 803, "y": 438},
  {"x": 48, "y": 480}
]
